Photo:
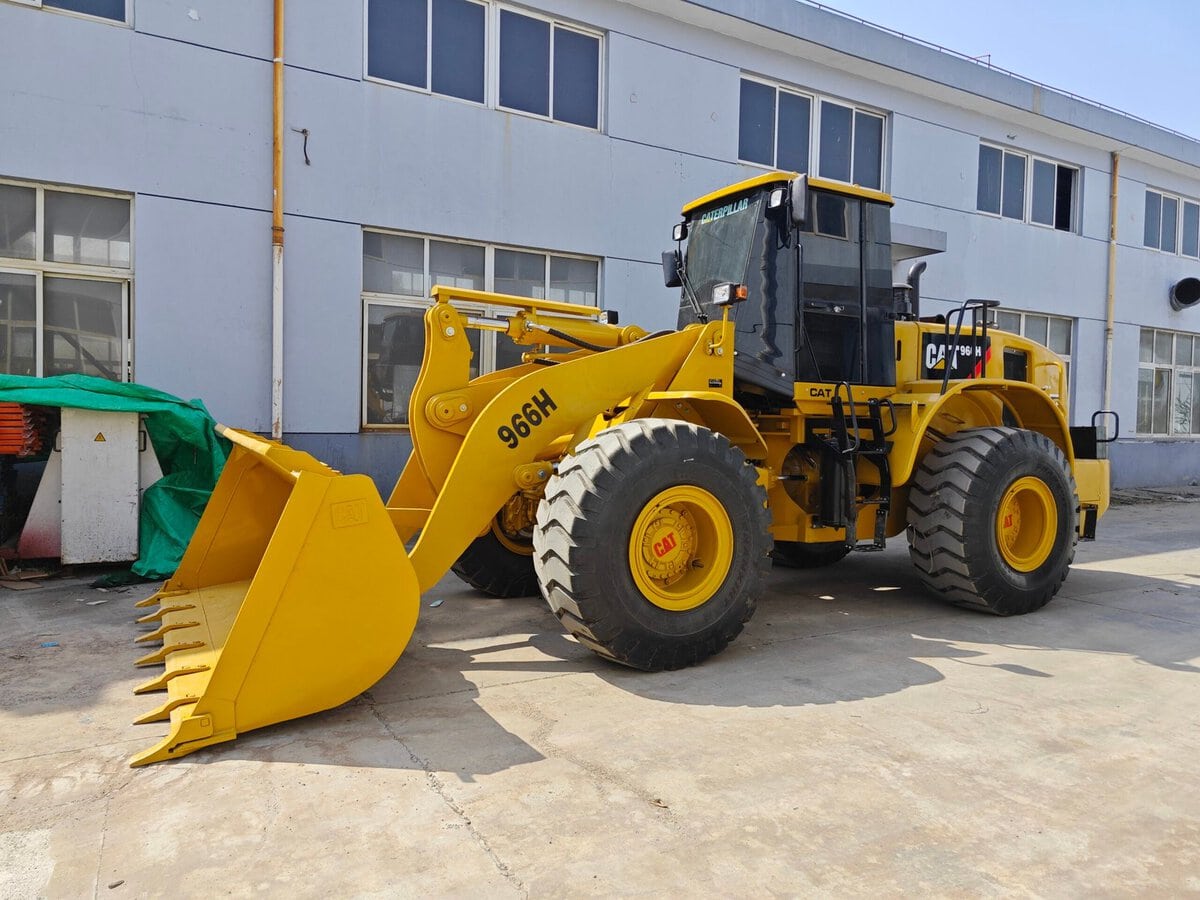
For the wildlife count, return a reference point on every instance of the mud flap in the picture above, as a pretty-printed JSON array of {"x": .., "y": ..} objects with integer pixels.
[{"x": 294, "y": 596}]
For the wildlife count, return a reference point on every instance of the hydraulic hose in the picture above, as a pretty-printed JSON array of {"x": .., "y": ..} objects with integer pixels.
[{"x": 571, "y": 339}]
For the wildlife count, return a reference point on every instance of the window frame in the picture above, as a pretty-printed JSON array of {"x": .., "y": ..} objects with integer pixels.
[
  {"x": 127, "y": 22},
  {"x": 1028, "y": 313},
  {"x": 41, "y": 268},
  {"x": 1031, "y": 160},
  {"x": 816, "y": 99},
  {"x": 1181, "y": 204},
  {"x": 852, "y": 143},
  {"x": 428, "y": 87},
  {"x": 1034, "y": 159},
  {"x": 1184, "y": 203},
  {"x": 1025, "y": 314},
  {"x": 492, "y": 90},
  {"x": 858, "y": 111},
  {"x": 1174, "y": 369},
  {"x": 487, "y": 349},
  {"x": 124, "y": 364},
  {"x": 491, "y": 61},
  {"x": 813, "y": 101}
]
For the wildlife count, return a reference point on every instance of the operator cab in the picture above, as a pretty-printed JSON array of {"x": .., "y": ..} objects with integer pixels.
[{"x": 815, "y": 259}]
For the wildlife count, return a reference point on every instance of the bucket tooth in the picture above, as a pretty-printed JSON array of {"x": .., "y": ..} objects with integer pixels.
[
  {"x": 163, "y": 712},
  {"x": 160, "y": 655},
  {"x": 157, "y": 634},
  {"x": 163, "y": 610},
  {"x": 190, "y": 730},
  {"x": 160, "y": 683},
  {"x": 158, "y": 596}
]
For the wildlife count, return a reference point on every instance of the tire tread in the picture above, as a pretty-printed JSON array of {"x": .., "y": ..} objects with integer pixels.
[
  {"x": 566, "y": 538},
  {"x": 944, "y": 505}
]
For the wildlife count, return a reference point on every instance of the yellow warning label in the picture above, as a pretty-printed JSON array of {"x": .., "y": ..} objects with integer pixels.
[{"x": 99, "y": 438}]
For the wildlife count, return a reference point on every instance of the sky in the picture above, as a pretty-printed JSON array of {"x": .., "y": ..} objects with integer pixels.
[{"x": 1139, "y": 56}]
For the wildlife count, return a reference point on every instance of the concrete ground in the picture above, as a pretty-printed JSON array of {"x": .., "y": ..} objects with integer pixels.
[{"x": 859, "y": 739}]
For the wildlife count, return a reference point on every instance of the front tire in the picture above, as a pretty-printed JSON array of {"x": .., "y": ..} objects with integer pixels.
[
  {"x": 652, "y": 543},
  {"x": 499, "y": 564},
  {"x": 993, "y": 520}
]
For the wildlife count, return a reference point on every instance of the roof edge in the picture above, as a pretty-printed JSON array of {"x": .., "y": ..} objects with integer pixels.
[{"x": 856, "y": 38}]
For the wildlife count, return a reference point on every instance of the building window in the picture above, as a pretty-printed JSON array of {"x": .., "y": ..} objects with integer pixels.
[
  {"x": 1052, "y": 198},
  {"x": 1049, "y": 331},
  {"x": 990, "y": 187},
  {"x": 114, "y": 10},
  {"x": 851, "y": 147},
  {"x": 775, "y": 128},
  {"x": 548, "y": 69},
  {"x": 438, "y": 45},
  {"x": 398, "y": 272},
  {"x": 1168, "y": 398},
  {"x": 543, "y": 67},
  {"x": 65, "y": 279},
  {"x": 1007, "y": 177},
  {"x": 1166, "y": 229},
  {"x": 1189, "y": 245}
]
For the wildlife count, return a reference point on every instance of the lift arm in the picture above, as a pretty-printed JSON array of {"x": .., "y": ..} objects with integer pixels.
[{"x": 476, "y": 443}]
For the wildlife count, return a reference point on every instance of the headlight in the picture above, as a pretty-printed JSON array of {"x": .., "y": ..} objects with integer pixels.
[{"x": 729, "y": 293}]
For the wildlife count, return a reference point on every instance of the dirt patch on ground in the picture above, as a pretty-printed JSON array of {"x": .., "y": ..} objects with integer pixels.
[{"x": 1188, "y": 493}]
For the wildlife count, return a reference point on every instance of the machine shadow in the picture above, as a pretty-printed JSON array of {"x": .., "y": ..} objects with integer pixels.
[
  {"x": 423, "y": 715},
  {"x": 447, "y": 733},
  {"x": 866, "y": 628},
  {"x": 861, "y": 629},
  {"x": 852, "y": 632}
]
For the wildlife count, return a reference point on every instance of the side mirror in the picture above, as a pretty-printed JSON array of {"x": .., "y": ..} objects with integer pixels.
[
  {"x": 799, "y": 199},
  {"x": 679, "y": 232},
  {"x": 672, "y": 263}
]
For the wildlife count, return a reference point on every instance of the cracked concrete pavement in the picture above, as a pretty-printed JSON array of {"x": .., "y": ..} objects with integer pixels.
[{"x": 860, "y": 738}]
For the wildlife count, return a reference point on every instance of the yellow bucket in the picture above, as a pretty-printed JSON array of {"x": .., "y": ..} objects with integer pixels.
[{"x": 294, "y": 595}]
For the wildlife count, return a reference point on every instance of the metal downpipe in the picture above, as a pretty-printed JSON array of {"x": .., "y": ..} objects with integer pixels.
[
  {"x": 277, "y": 229},
  {"x": 1110, "y": 312}
]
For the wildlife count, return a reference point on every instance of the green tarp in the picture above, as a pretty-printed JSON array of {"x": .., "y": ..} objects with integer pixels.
[{"x": 189, "y": 450}]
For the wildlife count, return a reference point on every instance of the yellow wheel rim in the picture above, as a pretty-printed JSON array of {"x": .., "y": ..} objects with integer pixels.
[
  {"x": 512, "y": 543},
  {"x": 513, "y": 525},
  {"x": 1026, "y": 523},
  {"x": 681, "y": 548}
]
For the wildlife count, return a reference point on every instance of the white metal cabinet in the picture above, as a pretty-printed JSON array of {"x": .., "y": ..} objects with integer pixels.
[
  {"x": 99, "y": 486},
  {"x": 87, "y": 504}
]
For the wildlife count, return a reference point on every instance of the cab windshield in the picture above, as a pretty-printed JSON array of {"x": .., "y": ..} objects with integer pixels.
[{"x": 719, "y": 240}]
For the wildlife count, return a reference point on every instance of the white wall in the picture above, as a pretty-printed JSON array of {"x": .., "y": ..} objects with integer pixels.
[{"x": 177, "y": 111}]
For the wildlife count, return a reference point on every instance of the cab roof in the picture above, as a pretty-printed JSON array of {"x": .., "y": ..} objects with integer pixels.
[{"x": 824, "y": 184}]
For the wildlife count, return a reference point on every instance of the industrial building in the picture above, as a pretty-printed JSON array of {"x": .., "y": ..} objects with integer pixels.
[{"x": 542, "y": 151}]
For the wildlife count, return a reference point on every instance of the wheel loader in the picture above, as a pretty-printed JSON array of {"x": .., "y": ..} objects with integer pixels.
[{"x": 644, "y": 483}]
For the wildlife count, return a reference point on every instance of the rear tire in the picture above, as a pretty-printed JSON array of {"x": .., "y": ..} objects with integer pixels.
[
  {"x": 799, "y": 555},
  {"x": 993, "y": 520},
  {"x": 652, "y": 543},
  {"x": 490, "y": 566}
]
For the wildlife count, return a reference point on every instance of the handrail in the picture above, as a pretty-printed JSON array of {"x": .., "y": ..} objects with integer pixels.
[{"x": 974, "y": 307}]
